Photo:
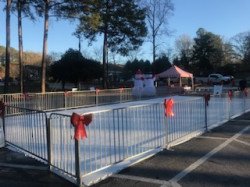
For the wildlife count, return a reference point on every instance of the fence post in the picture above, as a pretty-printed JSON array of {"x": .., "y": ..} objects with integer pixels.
[
  {"x": 206, "y": 100},
  {"x": 244, "y": 103},
  {"x": 206, "y": 117},
  {"x": 96, "y": 96},
  {"x": 3, "y": 121},
  {"x": 65, "y": 100},
  {"x": 166, "y": 136},
  {"x": 77, "y": 163},
  {"x": 48, "y": 134}
]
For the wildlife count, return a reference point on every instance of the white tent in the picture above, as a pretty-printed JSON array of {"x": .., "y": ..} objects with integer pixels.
[{"x": 176, "y": 72}]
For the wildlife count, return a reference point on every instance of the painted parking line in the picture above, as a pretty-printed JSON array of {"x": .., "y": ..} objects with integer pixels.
[
  {"x": 163, "y": 183},
  {"x": 242, "y": 142},
  {"x": 207, "y": 156},
  {"x": 211, "y": 137}
]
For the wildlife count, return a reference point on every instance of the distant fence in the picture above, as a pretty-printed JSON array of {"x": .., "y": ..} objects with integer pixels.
[
  {"x": 74, "y": 99},
  {"x": 65, "y": 100},
  {"x": 115, "y": 134}
]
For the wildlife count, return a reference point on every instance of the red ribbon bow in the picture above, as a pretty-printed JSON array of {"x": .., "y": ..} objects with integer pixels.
[
  {"x": 121, "y": 90},
  {"x": 168, "y": 105},
  {"x": 79, "y": 123},
  {"x": 207, "y": 98},
  {"x": 26, "y": 96},
  {"x": 68, "y": 93},
  {"x": 2, "y": 109},
  {"x": 97, "y": 91},
  {"x": 230, "y": 94}
]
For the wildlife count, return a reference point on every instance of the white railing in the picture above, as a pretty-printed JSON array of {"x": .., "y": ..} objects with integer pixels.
[
  {"x": 65, "y": 100},
  {"x": 115, "y": 134},
  {"x": 27, "y": 130},
  {"x": 74, "y": 99}
]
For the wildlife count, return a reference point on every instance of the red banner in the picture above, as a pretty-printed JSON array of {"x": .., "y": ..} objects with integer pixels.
[
  {"x": 79, "y": 122},
  {"x": 168, "y": 105}
]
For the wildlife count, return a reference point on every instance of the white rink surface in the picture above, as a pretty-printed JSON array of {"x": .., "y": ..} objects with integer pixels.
[{"x": 97, "y": 109}]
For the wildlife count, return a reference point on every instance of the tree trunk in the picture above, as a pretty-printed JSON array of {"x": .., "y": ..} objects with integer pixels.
[
  {"x": 154, "y": 49},
  {"x": 7, "y": 54},
  {"x": 20, "y": 43},
  {"x": 105, "y": 49},
  {"x": 45, "y": 45}
]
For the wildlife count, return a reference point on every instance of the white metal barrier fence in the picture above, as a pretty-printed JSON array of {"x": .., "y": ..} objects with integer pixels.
[
  {"x": 73, "y": 99},
  {"x": 115, "y": 134},
  {"x": 27, "y": 130},
  {"x": 61, "y": 100}
]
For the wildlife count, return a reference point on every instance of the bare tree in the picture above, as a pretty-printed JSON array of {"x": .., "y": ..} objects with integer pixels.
[
  {"x": 158, "y": 12},
  {"x": 184, "y": 45},
  {"x": 239, "y": 43}
]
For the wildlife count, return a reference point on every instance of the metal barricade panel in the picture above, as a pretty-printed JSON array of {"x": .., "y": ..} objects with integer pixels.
[{"x": 26, "y": 129}]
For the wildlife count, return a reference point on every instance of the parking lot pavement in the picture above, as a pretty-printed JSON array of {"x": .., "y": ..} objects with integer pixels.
[
  {"x": 220, "y": 157},
  {"x": 18, "y": 170}
]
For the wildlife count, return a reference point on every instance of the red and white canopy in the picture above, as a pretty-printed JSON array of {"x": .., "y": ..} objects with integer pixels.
[{"x": 174, "y": 72}]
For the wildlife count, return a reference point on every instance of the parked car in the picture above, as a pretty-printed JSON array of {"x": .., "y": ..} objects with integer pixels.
[{"x": 218, "y": 79}]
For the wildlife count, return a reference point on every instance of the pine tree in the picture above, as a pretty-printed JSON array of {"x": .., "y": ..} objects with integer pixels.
[{"x": 120, "y": 22}]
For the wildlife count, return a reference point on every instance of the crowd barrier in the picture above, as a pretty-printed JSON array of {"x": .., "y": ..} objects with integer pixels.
[
  {"x": 115, "y": 134},
  {"x": 74, "y": 99}
]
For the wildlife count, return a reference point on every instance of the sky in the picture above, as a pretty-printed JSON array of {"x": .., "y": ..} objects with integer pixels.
[{"x": 223, "y": 17}]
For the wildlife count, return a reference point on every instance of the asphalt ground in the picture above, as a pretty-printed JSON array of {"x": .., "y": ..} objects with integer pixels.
[{"x": 220, "y": 157}]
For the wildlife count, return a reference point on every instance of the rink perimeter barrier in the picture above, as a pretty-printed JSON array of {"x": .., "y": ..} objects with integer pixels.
[{"x": 114, "y": 135}]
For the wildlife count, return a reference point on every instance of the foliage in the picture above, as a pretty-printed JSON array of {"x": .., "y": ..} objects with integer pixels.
[
  {"x": 208, "y": 52},
  {"x": 73, "y": 67},
  {"x": 131, "y": 68},
  {"x": 26, "y": 8},
  {"x": 184, "y": 47},
  {"x": 29, "y": 58},
  {"x": 121, "y": 22},
  {"x": 161, "y": 64}
]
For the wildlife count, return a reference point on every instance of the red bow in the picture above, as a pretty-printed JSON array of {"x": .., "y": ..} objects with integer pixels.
[
  {"x": 79, "y": 123},
  {"x": 230, "y": 94},
  {"x": 97, "y": 91},
  {"x": 26, "y": 96},
  {"x": 68, "y": 93},
  {"x": 168, "y": 105},
  {"x": 121, "y": 90},
  {"x": 2, "y": 109},
  {"x": 207, "y": 98}
]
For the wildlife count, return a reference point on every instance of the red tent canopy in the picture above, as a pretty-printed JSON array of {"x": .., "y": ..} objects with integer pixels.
[{"x": 174, "y": 72}]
